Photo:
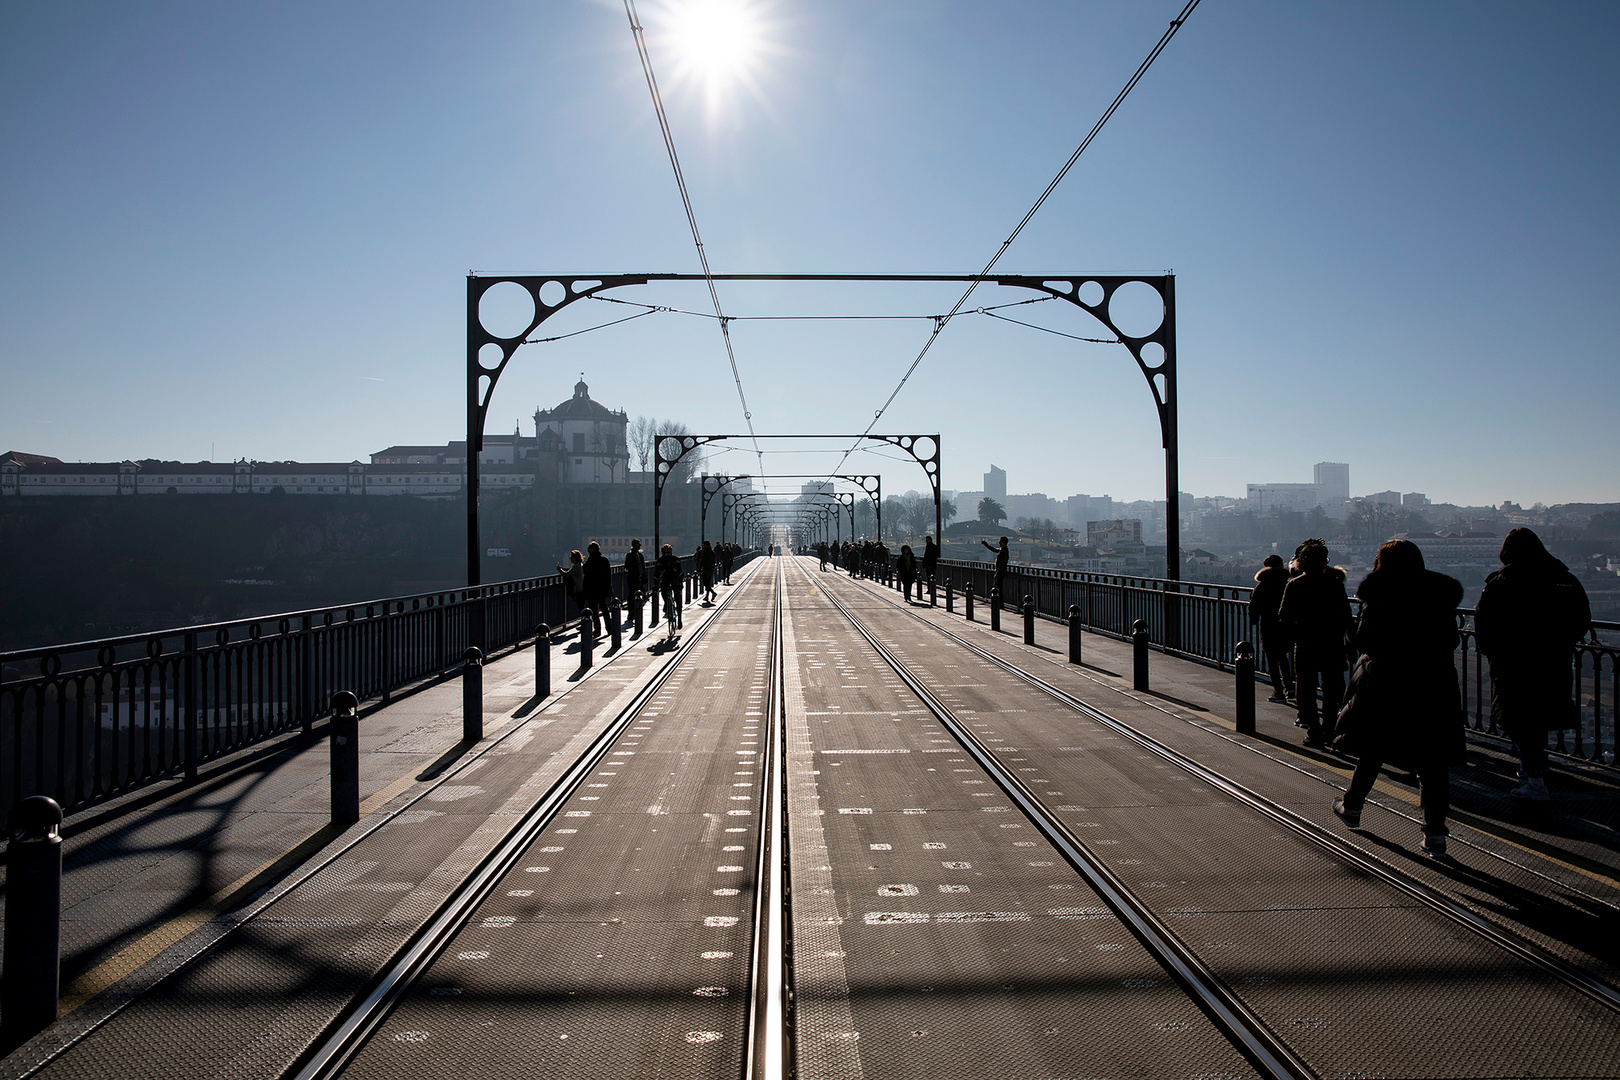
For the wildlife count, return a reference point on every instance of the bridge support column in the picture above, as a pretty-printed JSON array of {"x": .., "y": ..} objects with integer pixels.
[
  {"x": 542, "y": 661},
  {"x": 344, "y": 758},
  {"x": 1243, "y": 665},
  {"x": 472, "y": 694},
  {"x": 1139, "y": 655}
]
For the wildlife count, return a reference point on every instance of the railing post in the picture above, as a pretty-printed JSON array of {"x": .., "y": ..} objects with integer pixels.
[
  {"x": 995, "y": 609},
  {"x": 1139, "y": 655},
  {"x": 542, "y": 661},
  {"x": 192, "y": 708},
  {"x": 1243, "y": 666},
  {"x": 1074, "y": 633},
  {"x": 385, "y": 674},
  {"x": 586, "y": 639},
  {"x": 306, "y": 673},
  {"x": 614, "y": 630},
  {"x": 636, "y": 603},
  {"x": 472, "y": 694},
  {"x": 344, "y": 758},
  {"x": 1029, "y": 621},
  {"x": 31, "y": 982}
]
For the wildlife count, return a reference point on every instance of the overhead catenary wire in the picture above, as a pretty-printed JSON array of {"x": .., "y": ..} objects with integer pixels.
[
  {"x": 978, "y": 280},
  {"x": 640, "y": 37}
]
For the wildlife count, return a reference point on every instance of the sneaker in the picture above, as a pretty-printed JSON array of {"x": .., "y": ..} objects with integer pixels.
[
  {"x": 1434, "y": 845},
  {"x": 1352, "y": 818},
  {"x": 1534, "y": 789}
]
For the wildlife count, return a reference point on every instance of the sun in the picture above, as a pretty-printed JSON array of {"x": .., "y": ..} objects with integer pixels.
[{"x": 715, "y": 43}]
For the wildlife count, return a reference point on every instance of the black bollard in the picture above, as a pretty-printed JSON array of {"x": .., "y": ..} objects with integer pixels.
[
  {"x": 1139, "y": 655},
  {"x": 344, "y": 758},
  {"x": 950, "y": 597},
  {"x": 542, "y": 661},
  {"x": 652, "y": 600},
  {"x": 1074, "y": 633},
  {"x": 1029, "y": 621},
  {"x": 932, "y": 602},
  {"x": 635, "y": 612},
  {"x": 1243, "y": 666},
  {"x": 995, "y": 609},
  {"x": 967, "y": 601},
  {"x": 32, "y": 979},
  {"x": 472, "y": 694},
  {"x": 587, "y": 640},
  {"x": 613, "y": 624}
]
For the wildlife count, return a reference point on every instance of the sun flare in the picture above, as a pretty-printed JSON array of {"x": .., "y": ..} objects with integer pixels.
[{"x": 715, "y": 41}]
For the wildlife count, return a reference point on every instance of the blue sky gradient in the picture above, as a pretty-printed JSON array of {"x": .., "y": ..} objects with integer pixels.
[{"x": 244, "y": 230}]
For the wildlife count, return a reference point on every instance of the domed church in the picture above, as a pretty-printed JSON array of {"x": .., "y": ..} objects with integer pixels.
[{"x": 593, "y": 445}]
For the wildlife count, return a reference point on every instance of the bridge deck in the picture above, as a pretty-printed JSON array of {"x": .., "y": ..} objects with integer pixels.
[{"x": 218, "y": 930}]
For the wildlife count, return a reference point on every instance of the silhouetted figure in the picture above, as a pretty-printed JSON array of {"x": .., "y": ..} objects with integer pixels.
[
  {"x": 821, "y": 554},
  {"x": 1263, "y": 604},
  {"x": 598, "y": 585},
  {"x": 705, "y": 569},
  {"x": 635, "y": 570},
  {"x": 728, "y": 555},
  {"x": 669, "y": 573},
  {"x": 574, "y": 579},
  {"x": 1315, "y": 612},
  {"x": 1003, "y": 553},
  {"x": 906, "y": 567},
  {"x": 1528, "y": 619},
  {"x": 1405, "y": 707},
  {"x": 930, "y": 560}
]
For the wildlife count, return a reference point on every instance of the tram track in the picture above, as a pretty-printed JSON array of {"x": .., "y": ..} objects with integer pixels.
[
  {"x": 1271, "y": 1056},
  {"x": 1349, "y": 853},
  {"x": 332, "y": 1053}
]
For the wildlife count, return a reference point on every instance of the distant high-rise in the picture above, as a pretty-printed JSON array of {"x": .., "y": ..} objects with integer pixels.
[
  {"x": 1332, "y": 482},
  {"x": 995, "y": 483}
]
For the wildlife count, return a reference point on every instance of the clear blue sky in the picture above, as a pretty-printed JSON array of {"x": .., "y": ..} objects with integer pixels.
[{"x": 244, "y": 230}]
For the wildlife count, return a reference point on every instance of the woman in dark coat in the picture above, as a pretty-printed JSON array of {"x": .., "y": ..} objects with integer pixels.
[
  {"x": 1406, "y": 707},
  {"x": 906, "y": 567},
  {"x": 1527, "y": 621},
  {"x": 930, "y": 559},
  {"x": 1315, "y": 613},
  {"x": 598, "y": 585},
  {"x": 1263, "y": 604}
]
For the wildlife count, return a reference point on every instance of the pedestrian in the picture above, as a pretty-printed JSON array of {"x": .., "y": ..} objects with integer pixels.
[
  {"x": 1315, "y": 613},
  {"x": 598, "y": 585},
  {"x": 930, "y": 560},
  {"x": 705, "y": 568},
  {"x": 1404, "y": 706},
  {"x": 821, "y": 555},
  {"x": 1527, "y": 622},
  {"x": 574, "y": 579},
  {"x": 906, "y": 567},
  {"x": 1263, "y": 604},
  {"x": 997, "y": 593},
  {"x": 726, "y": 557},
  {"x": 635, "y": 570}
]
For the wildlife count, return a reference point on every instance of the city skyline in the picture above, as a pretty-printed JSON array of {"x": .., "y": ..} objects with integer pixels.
[{"x": 232, "y": 236}]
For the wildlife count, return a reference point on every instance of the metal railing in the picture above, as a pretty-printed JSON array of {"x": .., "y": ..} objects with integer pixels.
[
  {"x": 95, "y": 720},
  {"x": 1211, "y": 619}
]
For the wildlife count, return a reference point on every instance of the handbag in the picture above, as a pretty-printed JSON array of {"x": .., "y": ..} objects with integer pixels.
[{"x": 1353, "y": 728}]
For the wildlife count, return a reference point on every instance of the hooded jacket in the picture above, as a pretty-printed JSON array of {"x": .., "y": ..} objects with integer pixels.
[
  {"x": 1527, "y": 621},
  {"x": 1267, "y": 595},
  {"x": 1315, "y": 611}
]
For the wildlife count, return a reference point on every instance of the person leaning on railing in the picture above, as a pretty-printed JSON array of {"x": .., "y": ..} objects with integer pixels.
[{"x": 1529, "y": 618}]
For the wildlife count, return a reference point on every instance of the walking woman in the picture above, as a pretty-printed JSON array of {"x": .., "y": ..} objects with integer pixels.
[
  {"x": 1405, "y": 707},
  {"x": 906, "y": 567},
  {"x": 1528, "y": 619},
  {"x": 1315, "y": 613}
]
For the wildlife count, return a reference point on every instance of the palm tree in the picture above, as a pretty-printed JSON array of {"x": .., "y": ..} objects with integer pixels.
[{"x": 991, "y": 512}]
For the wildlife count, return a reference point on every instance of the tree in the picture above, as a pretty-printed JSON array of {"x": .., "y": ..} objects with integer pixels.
[
  {"x": 991, "y": 512},
  {"x": 947, "y": 511},
  {"x": 642, "y": 430}
]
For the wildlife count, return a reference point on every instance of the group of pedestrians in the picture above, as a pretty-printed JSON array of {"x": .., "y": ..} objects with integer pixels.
[
  {"x": 588, "y": 577},
  {"x": 1403, "y": 705},
  {"x": 871, "y": 559}
]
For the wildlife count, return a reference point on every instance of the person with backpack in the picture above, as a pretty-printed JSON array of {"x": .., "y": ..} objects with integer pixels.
[{"x": 1315, "y": 613}]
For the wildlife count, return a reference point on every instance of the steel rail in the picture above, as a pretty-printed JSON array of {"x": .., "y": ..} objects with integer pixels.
[
  {"x": 1269, "y": 1054},
  {"x": 343, "y": 1038},
  {"x": 1529, "y": 952},
  {"x": 768, "y": 1055}
]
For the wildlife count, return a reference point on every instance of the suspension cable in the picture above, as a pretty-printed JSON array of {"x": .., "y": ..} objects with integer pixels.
[
  {"x": 1108, "y": 113},
  {"x": 686, "y": 202}
]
